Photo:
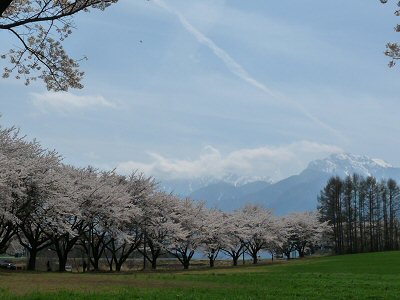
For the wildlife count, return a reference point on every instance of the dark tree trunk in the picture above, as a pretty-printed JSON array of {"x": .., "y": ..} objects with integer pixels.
[
  {"x": 118, "y": 266},
  {"x": 95, "y": 251},
  {"x": 62, "y": 261},
  {"x": 110, "y": 260},
  {"x": 186, "y": 260},
  {"x": 355, "y": 213},
  {"x": 391, "y": 221},
  {"x": 95, "y": 263},
  {"x": 348, "y": 190},
  {"x": 235, "y": 260},
  {"x": 155, "y": 254},
  {"x": 212, "y": 256},
  {"x": 392, "y": 188},
  {"x": 120, "y": 252},
  {"x": 301, "y": 249},
  {"x": 254, "y": 249},
  {"x": 385, "y": 221},
  {"x": 255, "y": 259},
  {"x": 32, "y": 259},
  {"x": 211, "y": 262},
  {"x": 361, "y": 221},
  {"x": 235, "y": 254},
  {"x": 154, "y": 264},
  {"x": 184, "y": 255},
  {"x": 34, "y": 245},
  {"x": 110, "y": 265},
  {"x": 6, "y": 234},
  {"x": 63, "y": 245}
]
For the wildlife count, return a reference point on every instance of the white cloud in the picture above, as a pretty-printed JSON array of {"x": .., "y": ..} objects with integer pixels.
[
  {"x": 66, "y": 102},
  {"x": 275, "y": 162}
]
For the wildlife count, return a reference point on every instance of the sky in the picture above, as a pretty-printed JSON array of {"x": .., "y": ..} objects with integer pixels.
[{"x": 180, "y": 89}]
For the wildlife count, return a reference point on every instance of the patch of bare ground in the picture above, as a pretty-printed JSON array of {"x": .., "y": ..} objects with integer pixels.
[{"x": 21, "y": 283}]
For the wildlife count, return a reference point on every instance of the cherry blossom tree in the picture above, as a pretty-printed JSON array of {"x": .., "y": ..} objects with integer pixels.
[
  {"x": 64, "y": 238},
  {"x": 40, "y": 201},
  {"x": 131, "y": 234},
  {"x": 306, "y": 231},
  {"x": 185, "y": 242},
  {"x": 284, "y": 243},
  {"x": 121, "y": 247},
  {"x": 160, "y": 226},
  {"x": 236, "y": 235},
  {"x": 32, "y": 193},
  {"x": 40, "y": 27},
  {"x": 87, "y": 216},
  {"x": 215, "y": 234},
  {"x": 259, "y": 229},
  {"x": 107, "y": 207},
  {"x": 13, "y": 149}
]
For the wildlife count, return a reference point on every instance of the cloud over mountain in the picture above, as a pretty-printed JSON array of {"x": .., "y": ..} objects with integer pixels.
[{"x": 273, "y": 162}]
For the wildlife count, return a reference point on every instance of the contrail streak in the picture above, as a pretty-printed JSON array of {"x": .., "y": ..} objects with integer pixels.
[{"x": 239, "y": 71}]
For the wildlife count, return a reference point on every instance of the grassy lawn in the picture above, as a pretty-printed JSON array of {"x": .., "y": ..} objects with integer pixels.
[{"x": 362, "y": 276}]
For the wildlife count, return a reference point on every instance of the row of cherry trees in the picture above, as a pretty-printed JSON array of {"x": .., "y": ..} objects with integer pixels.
[{"x": 45, "y": 204}]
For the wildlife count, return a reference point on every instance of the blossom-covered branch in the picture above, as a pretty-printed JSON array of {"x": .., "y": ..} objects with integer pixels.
[{"x": 40, "y": 27}]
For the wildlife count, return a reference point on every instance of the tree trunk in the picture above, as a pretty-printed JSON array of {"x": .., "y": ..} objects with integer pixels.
[
  {"x": 95, "y": 263},
  {"x": 155, "y": 253},
  {"x": 32, "y": 260},
  {"x": 62, "y": 261},
  {"x": 255, "y": 259},
  {"x": 7, "y": 234},
  {"x": 211, "y": 262},
  {"x": 62, "y": 247},
  {"x": 118, "y": 266},
  {"x": 186, "y": 265},
  {"x": 154, "y": 263},
  {"x": 235, "y": 260}
]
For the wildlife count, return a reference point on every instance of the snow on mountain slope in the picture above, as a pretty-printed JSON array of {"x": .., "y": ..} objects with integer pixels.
[
  {"x": 186, "y": 187},
  {"x": 346, "y": 164},
  {"x": 300, "y": 192},
  {"x": 295, "y": 193}
]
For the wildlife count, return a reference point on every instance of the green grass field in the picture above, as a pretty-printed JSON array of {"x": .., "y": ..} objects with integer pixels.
[{"x": 361, "y": 276}]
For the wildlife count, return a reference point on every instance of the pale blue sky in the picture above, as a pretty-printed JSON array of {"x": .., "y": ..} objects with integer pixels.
[{"x": 195, "y": 96}]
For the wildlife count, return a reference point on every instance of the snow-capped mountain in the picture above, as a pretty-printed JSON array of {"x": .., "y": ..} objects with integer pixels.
[
  {"x": 300, "y": 192},
  {"x": 186, "y": 187},
  {"x": 346, "y": 164},
  {"x": 239, "y": 181},
  {"x": 295, "y": 193}
]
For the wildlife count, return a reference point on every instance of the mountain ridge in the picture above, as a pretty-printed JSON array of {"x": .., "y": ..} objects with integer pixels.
[{"x": 297, "y": 192}]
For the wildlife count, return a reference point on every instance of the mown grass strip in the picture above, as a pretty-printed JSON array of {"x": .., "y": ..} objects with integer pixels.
[{"x": 362, "y": 276}]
